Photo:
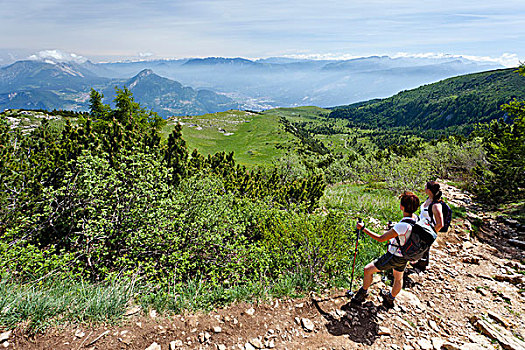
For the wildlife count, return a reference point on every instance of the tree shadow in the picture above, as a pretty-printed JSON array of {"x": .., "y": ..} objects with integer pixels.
[{"x": 359, "y": 322}]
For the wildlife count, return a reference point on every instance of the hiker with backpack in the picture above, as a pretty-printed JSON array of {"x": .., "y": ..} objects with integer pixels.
[
  {"x": 436, "y": 213},
  {"x": 396, "y": 257}
]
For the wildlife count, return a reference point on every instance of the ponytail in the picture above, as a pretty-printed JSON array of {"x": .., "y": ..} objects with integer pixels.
[{"x": 434, "y": 187}]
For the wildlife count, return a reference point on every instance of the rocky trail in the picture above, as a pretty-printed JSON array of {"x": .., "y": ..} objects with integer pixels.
[{"x": 472, "y": 296}]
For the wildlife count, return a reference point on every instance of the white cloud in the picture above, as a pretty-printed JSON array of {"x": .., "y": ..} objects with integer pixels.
[
  {"x": 145, "y": 54},
  {"x": 52, "y": 56},
  {"x": 322, "y": 56},
  {"x": 506, "y": 59}
]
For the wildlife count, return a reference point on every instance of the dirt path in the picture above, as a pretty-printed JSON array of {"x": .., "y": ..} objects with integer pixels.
[{"x": 471, "y": 297}]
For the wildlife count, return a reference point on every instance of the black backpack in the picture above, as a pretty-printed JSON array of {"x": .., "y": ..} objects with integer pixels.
[
  {"x": 419, "y": 241},
  {"x": 447, "y": 215}
]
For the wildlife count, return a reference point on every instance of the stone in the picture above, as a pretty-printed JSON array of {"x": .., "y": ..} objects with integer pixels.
[
  {"x": 176, "y": 344},
  {"x": 257, "y": 343},
  {"x": 250, "y": 311},
  {"x": 126, "y": 340},
  {"x": 132, "y": 310},
  {"x": 437, "y": 343},
  {"x": 406, "y": 297},
  {"x": 514, "y": 279},
  {"x": 383, "y": 331},
  {"x": 471, "y": 260},
  {"x": 248, "y": 346},
  {"x": 154, "y": 346},
  {"x": 472, "y": 346},
  {"x": 5, "y": 336},
  {"x": 500, "y": 319},
  {"x": 307, "y": 324},
  {"x": 468, "y": 245},
  {"x": 517, "y": 243},
  {"x": 511, "y": 222},
  {"x": 483, "y": 291},
  {"x": 433, "y": 325},
  {"x": 152, "y": 313},
  {"x": 480, "y": 340},
  {"x": 5, "y": 344},
  {"x": 204, "y": 337},
  {"x": 98, "y": 338},
  {"x": 473, "y": 216},
  {"x": 300, "y": 305},
  {"x": 507, "y": 340},
  {"x": 79, "y": 333},
  {"x": 221, "y": 347},
  {"x": 424, "y": 344},
  {"x": 192, "y": 322},
  {"x": 217, "y": 329},
  {"x": 449, "y": 346}
]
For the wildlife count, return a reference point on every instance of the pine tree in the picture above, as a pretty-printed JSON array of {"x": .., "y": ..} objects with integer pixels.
[
  {"x": 504, "y": 143},
  {"x": 96, "y": 108}
]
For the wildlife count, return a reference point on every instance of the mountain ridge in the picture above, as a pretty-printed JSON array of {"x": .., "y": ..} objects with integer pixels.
[
  {"x": 169, "y": 97},
  {"x": 466, "y": 99},
  {"x": 254, "y": 85}
]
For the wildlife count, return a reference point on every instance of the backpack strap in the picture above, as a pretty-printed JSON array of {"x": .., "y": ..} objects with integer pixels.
[{"x": 431, "y": 213}]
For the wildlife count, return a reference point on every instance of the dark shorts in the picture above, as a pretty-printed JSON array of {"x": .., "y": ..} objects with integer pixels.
[{"x": 390, "y": 261}]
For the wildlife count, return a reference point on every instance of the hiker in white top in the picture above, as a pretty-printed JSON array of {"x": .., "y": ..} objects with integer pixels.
[
  {"x": 432, "y": 189},
  {"x": 393, "y": 258}
]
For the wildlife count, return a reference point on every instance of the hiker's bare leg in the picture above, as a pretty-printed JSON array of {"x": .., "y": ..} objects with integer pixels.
[
  {"x": 370, "y": 269},
  {"x": 398, "y": 283}
]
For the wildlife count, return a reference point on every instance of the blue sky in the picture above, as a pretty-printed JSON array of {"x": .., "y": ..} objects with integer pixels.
[{"x": 108, "y": 30}]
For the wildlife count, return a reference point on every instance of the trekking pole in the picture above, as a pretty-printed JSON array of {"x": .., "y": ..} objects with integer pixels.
[{"x": 358, "y": 233}]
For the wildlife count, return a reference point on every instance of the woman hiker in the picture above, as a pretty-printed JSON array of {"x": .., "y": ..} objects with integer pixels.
[
  {"x": 432, "y": 189},
  {"x": 393, "y": 258}
]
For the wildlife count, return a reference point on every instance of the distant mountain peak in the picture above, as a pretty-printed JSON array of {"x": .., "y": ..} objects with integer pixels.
[
  {"x": 144, "y": 73},
  {"x": 219, "y": 60},
  {"x": 147, "y": 76}
]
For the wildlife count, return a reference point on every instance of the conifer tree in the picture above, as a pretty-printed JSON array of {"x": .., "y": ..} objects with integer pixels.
[
  {"x": 96, "y": 108},
  {"x": 176, "y": 155},
  {"x": 505, "y": 146}
]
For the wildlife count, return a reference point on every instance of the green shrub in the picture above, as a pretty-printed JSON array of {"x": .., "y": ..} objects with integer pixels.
[{"x": 307, "y": 243}]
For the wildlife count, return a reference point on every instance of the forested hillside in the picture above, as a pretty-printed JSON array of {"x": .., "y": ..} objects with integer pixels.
[{"x": 456, "y": 103}]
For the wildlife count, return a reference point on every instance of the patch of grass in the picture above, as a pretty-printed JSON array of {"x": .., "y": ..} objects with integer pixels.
[
  {"x": 458, "y": 212},
  {"x": 255, "y": 139},
  {"x": 512, "y": 311},
  {"x": 360, "y": 200},
  {"x": 411, "y": 323},
  {"x": 200, "y": 295},
  {"x": 51, "y": 302}
]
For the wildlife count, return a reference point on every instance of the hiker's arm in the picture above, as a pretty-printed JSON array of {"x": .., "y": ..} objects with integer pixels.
[
  {"x": 438, "y": 217},
  {"x": 380, "y": 238}
]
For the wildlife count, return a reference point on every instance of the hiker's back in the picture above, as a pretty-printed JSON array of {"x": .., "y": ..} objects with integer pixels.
[{"x": 404, "y": 230}]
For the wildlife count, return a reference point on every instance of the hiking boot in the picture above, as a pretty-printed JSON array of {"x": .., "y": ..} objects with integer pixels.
[
  {"x": 357, "y": 297},
  {"x": 388, "y": 299}
]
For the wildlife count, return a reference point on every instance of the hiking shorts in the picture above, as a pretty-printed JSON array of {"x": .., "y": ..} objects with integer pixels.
[{"x": 390, "y": 261}]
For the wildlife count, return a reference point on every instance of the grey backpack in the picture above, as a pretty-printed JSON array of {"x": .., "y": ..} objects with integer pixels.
[{"x": 419, "y": 241}]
